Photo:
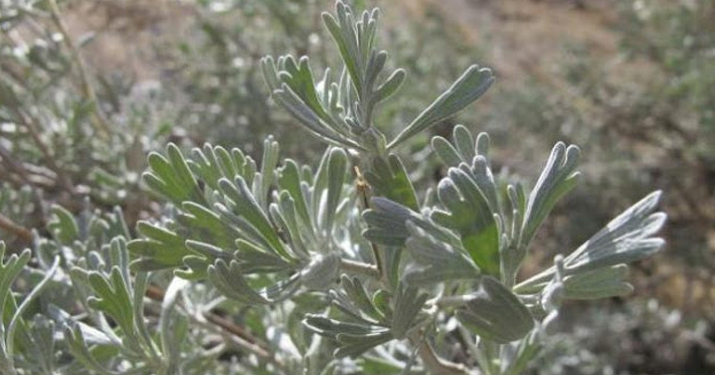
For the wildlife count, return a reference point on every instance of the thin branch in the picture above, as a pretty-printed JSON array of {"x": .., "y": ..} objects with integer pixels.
[
  {"x": 233, "y": 328},
  {"x": 434, "y": 363},
  {"x": 14, "y": 165},
  {"x": 362, "y": 187},
  {"x": 30, "y": 123},
  {"x": 241, "y": 343},
  {"x": 235, "y": 333},
  {"x": 14, "y": 228},
  {"x": 239, "y": 334},
  {"x": 352, "y": 266},
  {"x": 100, "y": 120},
  {"x": 156, "y": 294}
]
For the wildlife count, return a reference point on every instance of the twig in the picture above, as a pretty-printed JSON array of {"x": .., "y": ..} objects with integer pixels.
[
  {"x": 362, "y": 187},
  {"x": 12, "y": 227},
  {"x": 237, "y": 334},
  {"x": 359, "y": 268},
  {"x": 156, "y": 294},
  {"x": 233, "y": 328},
  {"x": 100, "y": 120},
  {"x": 434, "y": 363},
  {"x": 30, "y": 123},
  {"x": 12, "y": 164}
]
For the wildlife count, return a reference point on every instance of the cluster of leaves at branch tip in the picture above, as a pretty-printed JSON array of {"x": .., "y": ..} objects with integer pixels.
[{"x": 359, "y": 266}]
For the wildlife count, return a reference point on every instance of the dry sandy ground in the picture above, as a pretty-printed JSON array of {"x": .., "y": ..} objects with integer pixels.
[{"x": 522, "y": 34}]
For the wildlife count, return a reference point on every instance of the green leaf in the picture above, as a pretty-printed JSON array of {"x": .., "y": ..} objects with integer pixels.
[
  {"x": 203, "y": 224},
  {"x": 408, "y": 304},
  {"x": 464, "y": 142},
  {"x": 344, "y": 36},
  {"x": 599, "y": 283},
  {"x": 352, "y": 339},
  {"x": 353, "y": 346},
  {"x": 357, "y": 294},
  {"x": 299, "y": 77},
  {"x": 63, "y": 226},
  {"x": 268, "y": 166},
  {"x": 230, "y": 281},
  {"x": 215, "y": 162},
  {"x": 625, "y": 239},
  {"x": 496, "y": 314},
  {"x": 171, "y": 177},
  {"x": 291, "y": 102},
  {"x": 387, "y": 222},
  {"x": 322, "y": 272},
  {"x": 337, "y": 168},
  {"x": 244, "y": 204},
  {"x": 389, "y": 179},
  {"x": 390, "y": 86},
  {"x": 284, "y": 215},
  {"x": 446, "y": 152},
  {"x": 161, "y": 249},
  {"x": 113, "y": 297},
  {"x": 526, "y": 350},
  {"x": 471, "y": 157},
  {"x": 437, "y": 261},
  {"x": 289, "y": 178},
  {"x": 465, "y": 90},
  {"x": 173, "y": 326},
  {"x": 42, "y": 348},
  {"x": 470, "y": 215},
  {"x": 558, "y": 177},
  {"x": 78, "y": 347},
  {"x": 9, "y": 270}
]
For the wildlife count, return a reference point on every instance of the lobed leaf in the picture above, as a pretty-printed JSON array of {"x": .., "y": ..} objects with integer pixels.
[
  {"x": 496, "y": 314},
  {"x": 352, "y": 339},
  {"x": 408, "y": 304},
  {"x": 472, "y": 84},
  {"x": 437, "y": 260},
  {"x": 230, "y": 281},
  {"x": 625, "y": 239},
  {"x": 389, "y": 179},
  {"x": 171, "y": 177},
  {"x": 470, "y": 215},
  {"x": 558, "y": 177}
]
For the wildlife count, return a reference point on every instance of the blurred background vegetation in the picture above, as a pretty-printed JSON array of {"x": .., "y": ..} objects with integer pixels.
[{"x": 89, "y": 87}]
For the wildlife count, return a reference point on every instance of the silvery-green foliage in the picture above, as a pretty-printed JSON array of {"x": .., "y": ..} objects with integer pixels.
[
  {"x": 58, "y": 141},
  {"x": 80, "y": 309},
  {"x": 328, "y": 269},
  {"x": 16, "y": 205}
]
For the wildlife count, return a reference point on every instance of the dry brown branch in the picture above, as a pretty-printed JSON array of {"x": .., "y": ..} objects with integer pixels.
[{"x": 18, "y": 230}]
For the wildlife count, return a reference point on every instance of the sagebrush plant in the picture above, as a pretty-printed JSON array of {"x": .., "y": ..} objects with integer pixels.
[
  {"x": 60, "y": 139},
  {"x": 274, "y": 267}
]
